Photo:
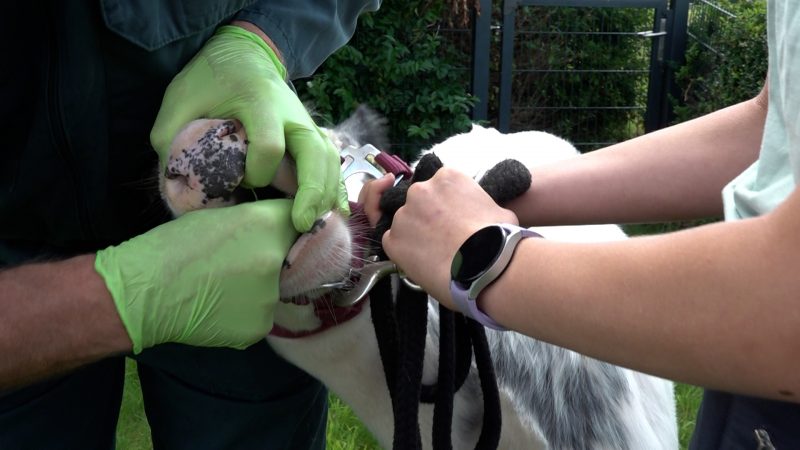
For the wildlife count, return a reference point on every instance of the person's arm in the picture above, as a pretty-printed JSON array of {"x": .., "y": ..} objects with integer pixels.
[
  {"x": 253, "y": 28},
  {"x": 716, "y": 306},
  {"x": 55, "y": 316},
  {"x": 671, "y": 174},
  {"x": 161, "y": 286},
  {"x": 307, "y": 32},
  {"x": 241, "y": 73}
]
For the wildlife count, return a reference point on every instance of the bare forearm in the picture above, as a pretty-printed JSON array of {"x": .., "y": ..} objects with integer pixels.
[
  {"x": 716, "y": 306},
  {"x": 674, "y": 173},
  {"x": 55, "y": 317},
  {"x": 254, "y": 29}
]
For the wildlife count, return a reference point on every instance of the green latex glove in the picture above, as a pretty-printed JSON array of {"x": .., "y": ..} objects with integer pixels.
[
  {"x": 237, "y": 75},
  {"x": 208, "y": 278}
]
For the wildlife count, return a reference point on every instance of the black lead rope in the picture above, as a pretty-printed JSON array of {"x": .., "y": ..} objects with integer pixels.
[
  {"x": 401, "y": 330},
  {"x": 443, "y": 392},
  {"x": 402, "y": 354}
]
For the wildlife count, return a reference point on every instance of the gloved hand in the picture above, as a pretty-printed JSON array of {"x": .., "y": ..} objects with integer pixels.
[
  {"x": 236, "y": 75},
  {"x": 208, "y": 278}
]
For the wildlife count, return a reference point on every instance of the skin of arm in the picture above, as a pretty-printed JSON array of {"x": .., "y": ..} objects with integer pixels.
[
  {"x": 82, "y": 323},
  {"x": 260, "y": 33},
  {"x": 670, "y": 174},
  {"x": 69, "y": 296},
  {"x": 715, "y": 306}
]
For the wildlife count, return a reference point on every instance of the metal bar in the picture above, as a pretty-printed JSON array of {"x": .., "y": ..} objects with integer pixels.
[
  {"x": 718, "y": 8},
  {"x": 703, "y": 44},
  {"x": 655, "y": 95},
  {"x": 595, "y": 3},
  {"x": 582, "y": 33},
  {"x": 577, "y": 108},
  {"x": 481, "y": 38},
  {"x": 622, "y": 71},
  {"x": 679, "y": 30},
  {"x": 506, "y": 64}
]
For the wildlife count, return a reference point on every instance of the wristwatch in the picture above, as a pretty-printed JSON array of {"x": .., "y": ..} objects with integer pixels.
[{"x": 481, "y": 259}]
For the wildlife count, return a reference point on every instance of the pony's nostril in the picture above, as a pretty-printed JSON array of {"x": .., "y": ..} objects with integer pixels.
[
  {"x": 228, "y": 128},
  {"x": 170, "y": 175},
  {"x": 175, "y": 176},
  {"x": 231, "y": 129}
]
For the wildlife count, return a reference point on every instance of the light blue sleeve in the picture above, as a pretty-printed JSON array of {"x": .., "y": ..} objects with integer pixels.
[
  {"x": 307, "y": 32},
  {"x": 776, "y": 173}
]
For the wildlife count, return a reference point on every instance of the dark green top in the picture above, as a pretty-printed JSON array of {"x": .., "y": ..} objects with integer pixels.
[{"x": 81, "y": 86}]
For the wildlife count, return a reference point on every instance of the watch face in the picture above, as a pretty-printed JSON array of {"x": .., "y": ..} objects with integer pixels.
[{"x": 477, "y": 254}]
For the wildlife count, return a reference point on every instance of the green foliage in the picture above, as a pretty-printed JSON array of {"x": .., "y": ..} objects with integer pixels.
[
  {"x": 727, "y": 62},
  {"x": 399, "y": 65}
]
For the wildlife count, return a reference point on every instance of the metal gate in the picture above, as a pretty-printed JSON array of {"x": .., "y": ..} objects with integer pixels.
[{"x": 541, "y": 67}]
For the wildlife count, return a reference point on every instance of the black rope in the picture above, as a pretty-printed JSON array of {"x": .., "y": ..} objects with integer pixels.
[
  {"x": 383, "y": 320},
  {"x": 462, "y": 355},
  {"x": 401, "y": 333},
  {"x": 490, "y": 431},
  {"x": 411, "y": 312},
  {"x": 445, "y": 382}
]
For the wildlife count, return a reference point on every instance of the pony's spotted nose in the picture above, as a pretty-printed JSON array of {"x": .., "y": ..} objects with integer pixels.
[{"x": 214, "y": 163}]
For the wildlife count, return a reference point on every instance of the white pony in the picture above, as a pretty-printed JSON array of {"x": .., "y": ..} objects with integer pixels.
[{"x": 550, "y": 397}]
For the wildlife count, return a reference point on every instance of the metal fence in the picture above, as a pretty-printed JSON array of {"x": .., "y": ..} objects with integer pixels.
[
  {"x": 704, "y": 16},
  {"x": 594, "y": 71},
  {"x": 532, "y": 68},
  {"x": 573, "y": 70}
]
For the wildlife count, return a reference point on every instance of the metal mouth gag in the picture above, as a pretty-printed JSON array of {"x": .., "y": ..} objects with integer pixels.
[
  {"x": 359, "y": 166},
  {"x": 352, "y": 292},
  {"x": 366, "y": 163}
]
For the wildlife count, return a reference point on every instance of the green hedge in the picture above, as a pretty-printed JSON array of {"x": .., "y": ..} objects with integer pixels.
[
  {"x": 726, "y": 62},
  {"x": 399, "y": 64}
]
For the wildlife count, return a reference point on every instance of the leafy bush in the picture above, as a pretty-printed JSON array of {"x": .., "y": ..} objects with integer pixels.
[
  {"x": 726, "y": 62},
  {"x": 398, "y": 64}
]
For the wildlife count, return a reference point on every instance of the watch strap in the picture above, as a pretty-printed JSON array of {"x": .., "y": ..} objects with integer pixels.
[{"x": 469, "y": 306}]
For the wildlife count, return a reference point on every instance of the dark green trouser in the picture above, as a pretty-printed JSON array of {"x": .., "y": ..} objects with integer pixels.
[
  {"x": 736, "y": 422},
  {"x": 194, "y": 398}
]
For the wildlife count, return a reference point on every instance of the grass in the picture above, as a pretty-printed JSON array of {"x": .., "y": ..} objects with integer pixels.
[
  {"x": 133, "y": 433},
  {"x": 688, "y": 401},
  {"x": 345, "y": 431}
]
